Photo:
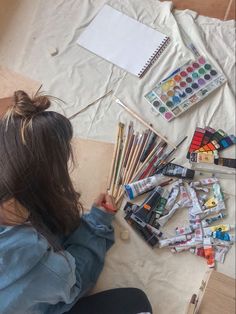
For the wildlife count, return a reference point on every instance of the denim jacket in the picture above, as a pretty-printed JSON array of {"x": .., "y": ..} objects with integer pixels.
[{"x": 34, "y": 279}]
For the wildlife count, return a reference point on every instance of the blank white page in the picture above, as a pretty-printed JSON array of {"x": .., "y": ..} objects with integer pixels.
[{"x": 122, "y": 40}]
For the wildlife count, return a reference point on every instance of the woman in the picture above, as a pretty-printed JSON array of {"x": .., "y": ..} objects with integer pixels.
[{"x": 50, "y": 254}]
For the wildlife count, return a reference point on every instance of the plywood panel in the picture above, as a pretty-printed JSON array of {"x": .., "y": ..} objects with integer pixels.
[
  {"x": 221, "y": 9},
  {"x": 91, "y": 169}
]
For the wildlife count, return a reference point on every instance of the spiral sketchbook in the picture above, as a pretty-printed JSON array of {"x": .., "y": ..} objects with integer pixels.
[{"x": 123, "y": 41}]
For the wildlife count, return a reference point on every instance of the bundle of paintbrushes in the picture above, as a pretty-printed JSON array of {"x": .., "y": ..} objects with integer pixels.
[
  {"x": 207, "y": 144},
  {"x": 136, "y": 156},
  {"x": 205, "y": 202}
]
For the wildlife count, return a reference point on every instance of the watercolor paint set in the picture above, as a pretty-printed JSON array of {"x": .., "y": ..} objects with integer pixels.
[
  {"x": 185, "y": 87},
  {"x": 206, "y": 145}
]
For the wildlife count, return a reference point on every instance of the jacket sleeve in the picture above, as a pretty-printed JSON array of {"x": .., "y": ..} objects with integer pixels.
[{"x": 88, "y": 245}]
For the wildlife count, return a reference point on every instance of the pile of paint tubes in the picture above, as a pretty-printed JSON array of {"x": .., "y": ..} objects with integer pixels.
[{"x": 205, "y": 203}]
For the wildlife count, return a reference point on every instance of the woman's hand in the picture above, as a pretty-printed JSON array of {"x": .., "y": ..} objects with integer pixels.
[{"x": 106, "y": 203}]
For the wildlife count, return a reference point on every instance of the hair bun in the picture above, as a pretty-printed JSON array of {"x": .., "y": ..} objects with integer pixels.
[{"x": 25, "y": 106}]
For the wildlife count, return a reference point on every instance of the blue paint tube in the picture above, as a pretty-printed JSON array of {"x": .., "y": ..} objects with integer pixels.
[{"x": 142, "y": 186}]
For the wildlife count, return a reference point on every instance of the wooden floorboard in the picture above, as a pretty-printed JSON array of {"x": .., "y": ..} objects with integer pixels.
[{"x": 221, "y": 9}]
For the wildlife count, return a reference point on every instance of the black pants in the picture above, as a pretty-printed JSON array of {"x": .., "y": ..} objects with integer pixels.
[{"x": 115, "y": 301}]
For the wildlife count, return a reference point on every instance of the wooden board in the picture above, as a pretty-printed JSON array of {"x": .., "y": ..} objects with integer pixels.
[
  {"x": 91, "y": 169},
  {"x": 221, "y": 9},
  {"x": 218, "y": 296}
]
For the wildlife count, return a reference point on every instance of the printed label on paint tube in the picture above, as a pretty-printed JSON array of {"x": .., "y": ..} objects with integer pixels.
[
  {"x": 209, "y": 230},
  {"x": 139, "y": 187},
  {"x": 166, "y": 242},
  {"x": 220, "y": 253}
]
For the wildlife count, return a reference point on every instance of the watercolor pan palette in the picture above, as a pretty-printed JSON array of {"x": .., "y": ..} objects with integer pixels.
[
  {"x": 209, "y": 140},
  {"x": 184, "y": 88}
]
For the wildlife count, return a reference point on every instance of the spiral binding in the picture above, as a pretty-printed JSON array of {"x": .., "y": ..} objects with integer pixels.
[{"x": 154, "y": 56}]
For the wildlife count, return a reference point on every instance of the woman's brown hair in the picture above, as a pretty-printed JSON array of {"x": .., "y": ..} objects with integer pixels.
[{"x": 34, "y": 152}]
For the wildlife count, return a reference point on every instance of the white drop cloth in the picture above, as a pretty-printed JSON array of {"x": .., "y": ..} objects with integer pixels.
[{"x": 30, "y": 28}]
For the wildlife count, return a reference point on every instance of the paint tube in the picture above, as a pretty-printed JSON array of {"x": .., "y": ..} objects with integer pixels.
[
  {"x": 196, "y": 207},
  {"x": 162, "y": 203},
  {"x": 142, "y": 186},
  {"x": 220, "y": 253},
  {"x": 218, "y": 242},
  {"x": 199, "y": 251},
  {"x": 227, "y": 162},
  {"x": 205, "y": 223},
  {"x": 219, "y": 207},
  {"x": 208, "y": 221},
  {"x": 188, "y": 244},
  {"x": 209, "y": 252},
  {"x": 206, "y": 181},
  {"x": 173, "y": 170},
  {"x": 184, "y": 230},
  {"x": 225, "y": 236},
  {"x": 177, "y": 249},
  {"x": 172, "y": 197},
  {"x": 198, "y": 230},
  {"x": 167, "y": 242},
  {"x": 149, "y": 203},
  {"x": 183, "y": 202},
  {"x": 217, "y": 192},
  {"x": 223, "y": 228},
  {"x": 210, "y": 203}
]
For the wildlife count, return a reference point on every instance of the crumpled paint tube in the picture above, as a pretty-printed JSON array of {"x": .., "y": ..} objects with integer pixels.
[
  {"x": 193, "y": 226},
  {"x": 209, "y": 230},
  {"x": 196, "y": 207},
  {"x": 219, "y": 242},
  {"x": 220, "y": 253},
  {"x": 206, "y": 181},
  {"x": 217, "y": 192},
  {"x": 184, "y": 201},
  {"x": 225, "y": 236},
  {"x": 167, "y": 242},
  {"x": 199, "y": 251},
  {"x": 142, "y": 186},
  {"x": 188, "y": 244},
  {"x": 209, "y": 252},
  {"x": 172, "y": 197},
  {"x": 198, "y": 230}
]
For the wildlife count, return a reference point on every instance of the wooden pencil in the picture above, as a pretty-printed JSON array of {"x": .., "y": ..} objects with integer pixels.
[
  {"x": 117, "y": 158},
  {"x": 134, "y": 114},
  {"x": 114, "y": 158},
  {"x": 124, "y": 148}
]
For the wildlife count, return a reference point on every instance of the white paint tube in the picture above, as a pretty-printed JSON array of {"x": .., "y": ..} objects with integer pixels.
[
  {"x": 196, "y": 207},
  {"x": 167, "y": 242},
  {"x": 205, "y": 223},
  {"x": 220, "y": 253},
  {"x": 206, "y": 181},
  {"x": 198, "y": 230},
  {"x": 189, "y": 244},
  {"x": 172, "y": 197},
  {"x": 224, "y": 228},
  {"x": 218, "y": 242},
  {"x": 183, "y": 202},
  {"x": 142, "y": 186},
  {"x": 217, "y": 192}
]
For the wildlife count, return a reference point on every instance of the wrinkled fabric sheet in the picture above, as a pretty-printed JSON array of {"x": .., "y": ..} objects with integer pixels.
[{"x": 79, "y": 78}]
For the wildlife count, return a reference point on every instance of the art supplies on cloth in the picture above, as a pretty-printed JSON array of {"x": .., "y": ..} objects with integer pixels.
[
  {"x": 205, "y": 203},
  {"x": 137, "y": 156},
  {"x": 207, "y": 144},
  {"x": 185, "y": 87},
  {"x": 123, "y": 41}
]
